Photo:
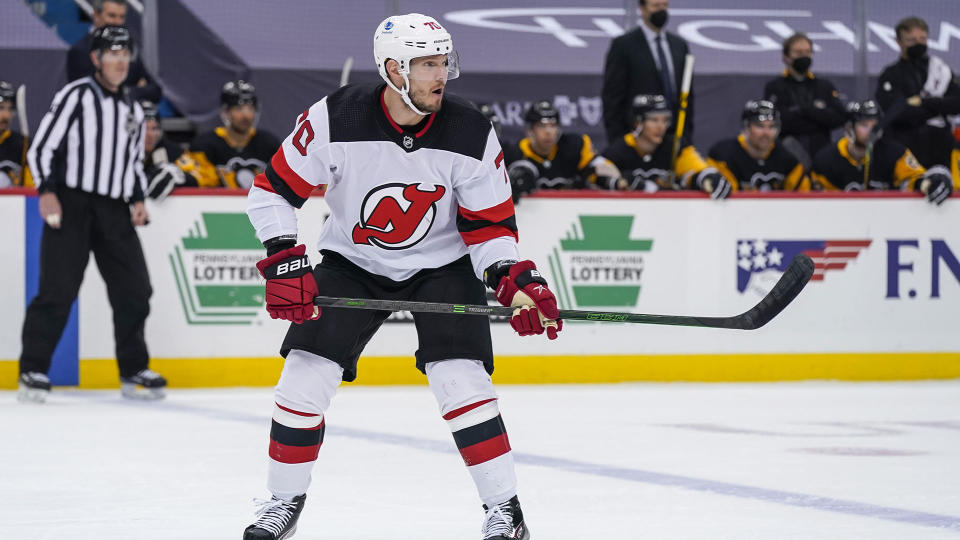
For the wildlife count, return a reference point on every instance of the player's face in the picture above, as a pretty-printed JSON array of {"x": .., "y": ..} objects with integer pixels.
[
  {"x": 862, "y": 129},
  {"x": 152, "y": 135},
  {"x": 655, "y": 127},
  {"x": 113, "y": 14},
  {"x": 428, "y": 77},
  {"x": 6, "y": 115},
  {"x": 544, "y": 135},
  {"x": 113, "y": 65},
  {"x": 242, "y": 117},
  {"x": 762, "y": 134}
]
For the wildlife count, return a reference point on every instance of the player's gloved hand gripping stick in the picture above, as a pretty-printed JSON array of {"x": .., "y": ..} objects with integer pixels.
[
  {"x": 793, "y": 280},
  {"x": 519, "y": 285},
  {"x": 290, "y": 285}
]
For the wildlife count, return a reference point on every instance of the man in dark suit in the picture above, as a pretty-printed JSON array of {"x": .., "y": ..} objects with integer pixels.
[
  {"x": 111, "y": 13},
  {"x": 645, "y": 60}
]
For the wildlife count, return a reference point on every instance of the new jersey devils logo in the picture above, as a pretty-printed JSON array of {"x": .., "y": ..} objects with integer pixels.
[{"x": 396, "y": 216}]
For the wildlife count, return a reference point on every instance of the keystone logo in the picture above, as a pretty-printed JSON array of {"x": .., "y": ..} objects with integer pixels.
[
  {"x": 215, "y": 270},
  {"x": 598, "y": 264}
]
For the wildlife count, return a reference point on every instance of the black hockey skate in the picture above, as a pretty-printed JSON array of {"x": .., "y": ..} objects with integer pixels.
[
  {"x": 276, "y": 519},
  {"x": 33, "y": 387},
  {"x": 146, "y": 384},
  {"x": 505, "y": 522}
]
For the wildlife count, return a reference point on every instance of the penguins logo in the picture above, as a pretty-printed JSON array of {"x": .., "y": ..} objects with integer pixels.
[{"x": 396, "y": 216}]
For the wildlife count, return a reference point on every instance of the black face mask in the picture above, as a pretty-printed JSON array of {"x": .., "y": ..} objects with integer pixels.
[
  {"x": 659, "y": 18},
  {"x": 802, "y": 64},
  {"x": 916, "y": 52}
]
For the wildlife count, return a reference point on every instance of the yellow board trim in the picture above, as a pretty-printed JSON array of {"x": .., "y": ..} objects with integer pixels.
[{"x": 227, "y": 372}]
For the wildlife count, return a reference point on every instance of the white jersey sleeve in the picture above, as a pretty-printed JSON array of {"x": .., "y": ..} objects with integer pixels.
[
  {"x": 300, "y": 165},
  {"x": 485, "y": 217}
]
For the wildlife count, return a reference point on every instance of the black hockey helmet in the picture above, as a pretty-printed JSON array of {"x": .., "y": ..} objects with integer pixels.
[
  {"x": 541, "y": 112},
  {"x": 111, "y": 38},
  {"x": 862, "y": 110},
  {"x": 645, "y": 104},
  {"x": 487, "y": 111},
  {"x": 238, "y": 92},
  {"x": 760, "y": 110},
  {"x": 7, "y": 93},
  {"x": 150, "y": 111}
]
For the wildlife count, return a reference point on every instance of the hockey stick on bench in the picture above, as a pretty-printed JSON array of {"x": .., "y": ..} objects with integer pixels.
[{"x": 792, "y": 281}]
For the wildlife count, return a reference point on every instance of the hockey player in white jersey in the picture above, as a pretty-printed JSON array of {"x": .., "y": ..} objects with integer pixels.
[{"x": 421, "y": 209}]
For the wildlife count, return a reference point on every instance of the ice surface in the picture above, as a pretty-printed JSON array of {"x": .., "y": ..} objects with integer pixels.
[{"x": 659, "y": 461}]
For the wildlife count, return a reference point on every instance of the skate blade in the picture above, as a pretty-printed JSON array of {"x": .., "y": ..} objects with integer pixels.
[
  {"x": 32, "y": 395},
  {"x": 133, "y": 391}
]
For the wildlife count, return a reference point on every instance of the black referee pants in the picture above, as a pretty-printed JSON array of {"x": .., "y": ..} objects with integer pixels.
[{"x": 101, "y": 225}]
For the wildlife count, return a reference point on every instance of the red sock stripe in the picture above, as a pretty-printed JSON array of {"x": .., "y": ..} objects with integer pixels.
[
  {"x": 467, "y": 408},
  {"x": 291, "y": 411},
  {"x": 293, "y": 454},
  {"x": 486, "y": 450}
]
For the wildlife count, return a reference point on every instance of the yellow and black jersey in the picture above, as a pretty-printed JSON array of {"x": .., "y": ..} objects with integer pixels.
[
  {"x": 222, "y": 165},
  {"x": 651, "y": 172},
  {"x": 778, "y": 170},
  {"x": 892, "y": 166},
  {"x": 166, "y": 152},
  {"x": 564, "y": 168},
  {"x": 13, "y": 172},
  {"x": 955, "y": 168}
]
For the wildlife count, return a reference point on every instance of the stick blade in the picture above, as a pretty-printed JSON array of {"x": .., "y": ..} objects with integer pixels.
[
  {"x": 22, "y": 110},
  {"x": 793, "y": 280}
]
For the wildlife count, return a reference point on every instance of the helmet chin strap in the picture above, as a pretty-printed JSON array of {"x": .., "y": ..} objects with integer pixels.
[{"x": 405, "y": 93}]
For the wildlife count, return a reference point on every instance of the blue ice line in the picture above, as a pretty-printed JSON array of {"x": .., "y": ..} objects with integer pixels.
[{"x": 788, "y": 498}]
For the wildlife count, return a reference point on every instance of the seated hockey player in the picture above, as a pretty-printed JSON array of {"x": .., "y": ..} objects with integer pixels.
[
  {"x": 547, "y": 158},
  {"x": 753, "y": 161},
  {"x": 13, "y": 146},
  {"x": 644, "y": 156},
  {"x": 865, "y": 159},
  {"x": 166, "y": 164},
  {"x": 233, "y": 154}
]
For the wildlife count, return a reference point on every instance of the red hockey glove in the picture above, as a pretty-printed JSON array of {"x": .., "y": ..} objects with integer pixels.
[
  {"x": 520, "y": 285},
  {"x": 291, "y": 287}
]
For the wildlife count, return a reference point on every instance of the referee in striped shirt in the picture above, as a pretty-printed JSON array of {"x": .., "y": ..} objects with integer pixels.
[{"x": 87, "y": 161}]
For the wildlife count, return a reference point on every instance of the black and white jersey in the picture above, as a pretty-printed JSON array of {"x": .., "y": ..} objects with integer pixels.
[
  {"x": 90, "y": 140},
  {"x": 402, "y": 199}
]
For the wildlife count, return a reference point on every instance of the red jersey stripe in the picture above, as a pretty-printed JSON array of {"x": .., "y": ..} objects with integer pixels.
[
  {"x": 261, "y": 182},
  {"x": 480, "y": 236},
  {"x": 495, "y": 214},
  {"x": 486, "y": 450},
  {"x": 426, "y": 127},
  {"x": 299, "y": 186}
]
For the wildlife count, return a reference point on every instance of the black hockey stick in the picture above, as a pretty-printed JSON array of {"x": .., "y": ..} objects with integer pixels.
[{"x": 792, "y": 281}]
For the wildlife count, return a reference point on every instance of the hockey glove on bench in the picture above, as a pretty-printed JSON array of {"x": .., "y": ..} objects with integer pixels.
[
  {"x": 291, "y": 287},
  {"x": 520, "y": 285}
]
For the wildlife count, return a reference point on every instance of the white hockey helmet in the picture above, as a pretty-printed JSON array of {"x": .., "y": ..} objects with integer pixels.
[{"x": 405, "y": 37}]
